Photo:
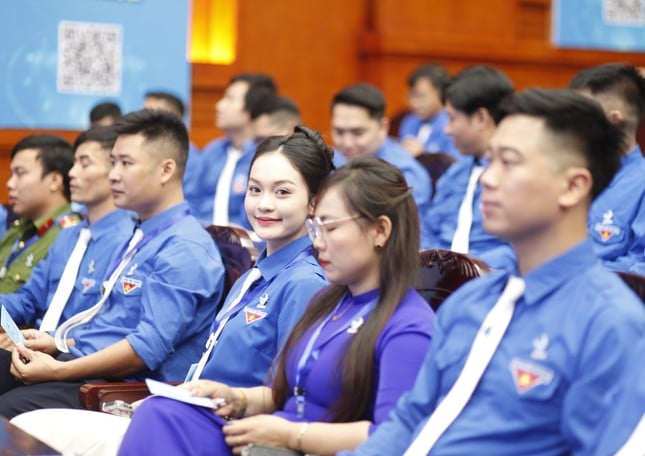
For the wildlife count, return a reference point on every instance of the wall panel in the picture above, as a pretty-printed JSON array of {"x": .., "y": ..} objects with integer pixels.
[{"x": 315, "y": 47}]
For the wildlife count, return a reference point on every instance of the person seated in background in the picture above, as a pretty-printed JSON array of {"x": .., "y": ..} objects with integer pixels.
[
  {"x": 273, "y": 115},
  {"x": 158, "y": 296},
  {"x": 355, "y": 351},
  {"x": 257, "y": 317},
  {"x": 535, "y": 354},
  {"x": 164, "y": 101},
  {"x": 51, "y": 296},
  {"x": 104, "y": 114},
  {"x": 422, "y": 130},
  {"x": 454, "y": 219},
  {"x": 221, "y": 185},
  {"x": 359, "y": 127},
  {"x": 617, "y": 216},
  {"x": 39, "y": 194}
]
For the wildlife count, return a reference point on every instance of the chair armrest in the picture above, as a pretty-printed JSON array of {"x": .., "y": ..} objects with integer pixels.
[{"x": 93, "y": 395}]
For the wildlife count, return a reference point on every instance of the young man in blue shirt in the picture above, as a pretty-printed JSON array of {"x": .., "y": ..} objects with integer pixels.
[
  {"x": 217, "y": 194},
  {"x": 617, "y": 216},
  {"x": 160, "y": 293},
  {"x": 422, "y": 131},
  {"x": 359, "y": 127},
  {"x": 109, "y": 227},
  {"x": 553, "y": 375},
  {"x": 472, "y": 103}
]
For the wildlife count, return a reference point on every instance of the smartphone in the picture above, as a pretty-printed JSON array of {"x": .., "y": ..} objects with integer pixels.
[{"x": 118, "y": 408}]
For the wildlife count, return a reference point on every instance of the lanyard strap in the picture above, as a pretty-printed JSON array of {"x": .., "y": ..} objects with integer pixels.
[
  {"x": 309, "y": 355},
  {"x": 127, "y": 250}
]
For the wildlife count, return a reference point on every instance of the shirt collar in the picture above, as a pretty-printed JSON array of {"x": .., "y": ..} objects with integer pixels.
[
  {"x": 160, "y": 219},
  {"x": 271, "y": 265},
  {"x": 107, "y": 223},
  {"x": 633, "y": 156},
  {"x": 44, "y": 223},
  {"x": 547, "y": 277}
]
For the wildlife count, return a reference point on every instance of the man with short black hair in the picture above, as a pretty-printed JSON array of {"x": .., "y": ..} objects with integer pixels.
[
  {"x": 218, "y": 197},
  {"x": 617, "y": 216},
  {"x": 422, "y": 130},
  {"x": 359, "y": 127},
  {"x": 39, "y": 194},
  {"x": 527, "y": 363},
  {"x": 454, "y": 219}
]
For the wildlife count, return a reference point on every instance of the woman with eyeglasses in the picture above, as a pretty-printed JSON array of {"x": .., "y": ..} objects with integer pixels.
[{"x": 356, "y": 349}]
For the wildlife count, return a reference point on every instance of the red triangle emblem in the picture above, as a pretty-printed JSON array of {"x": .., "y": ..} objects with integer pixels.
[
  {"x": 129, "y": 284},
  {"x": 528, "y": 375},
  {"x": 606, "y": 234},
  {"x": 253, "y": 315}
]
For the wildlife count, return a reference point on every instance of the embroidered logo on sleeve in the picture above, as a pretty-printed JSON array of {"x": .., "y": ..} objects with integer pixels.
[
  {"x": 129, "y": 284},
  {"x": 527, "y": 375},
  {"x": 606, "y": 229},
  {"x": 253, "y": 315}
]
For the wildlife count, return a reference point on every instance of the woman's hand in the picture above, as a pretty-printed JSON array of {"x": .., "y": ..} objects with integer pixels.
[
  {"x": 234, "y": 399},
  {"x": 266, "y": 430}
]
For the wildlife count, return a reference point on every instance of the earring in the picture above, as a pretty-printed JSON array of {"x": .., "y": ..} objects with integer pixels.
[{"x": 378, "y": 246}]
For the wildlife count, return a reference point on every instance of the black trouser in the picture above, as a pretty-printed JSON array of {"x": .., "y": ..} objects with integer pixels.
[{"x": 17, "y": 398}]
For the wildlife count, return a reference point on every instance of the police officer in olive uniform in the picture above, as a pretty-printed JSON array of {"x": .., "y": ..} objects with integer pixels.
[{"x": 39, "y": 193}]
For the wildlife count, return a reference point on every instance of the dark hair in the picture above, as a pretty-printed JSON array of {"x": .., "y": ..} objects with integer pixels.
[
  {"x": 618, "y": 79},
  {"x": 578, "y": 119},
  {"x": 435, "y": 73},
  {"x": 477, "y": 87},
  {"x": 55, "y": 154},
  {"x": 363, "y": 95},
  {"x": 256, "y": 82},
  {"x": 370, "y": 188},
  {"x": 264, "y": 102},
  {"x": 156, "y": 125},
  {"x": 174, "y": 101},
  {"x": 104, "y": 135},
  {"x": 306, "y": 151},
  {"x": 103, "y": 110}
]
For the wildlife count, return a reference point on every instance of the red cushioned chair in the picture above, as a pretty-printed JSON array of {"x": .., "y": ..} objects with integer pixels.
[{"x": 442, "y": 271}]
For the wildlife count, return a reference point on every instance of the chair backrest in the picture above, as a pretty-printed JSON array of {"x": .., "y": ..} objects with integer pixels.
[
  {"x": 636, "y": 282},
  {"x": 443, "y": 271},
  {"x": 237, "y": 250},
  {"x": 435, "y": 164}
]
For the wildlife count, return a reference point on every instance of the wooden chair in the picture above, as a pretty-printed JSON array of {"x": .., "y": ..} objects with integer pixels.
[
  {"x": 435, "y": 164},
  {"x": 238, "y": 255},
  {"x": 442, "y": 271}
]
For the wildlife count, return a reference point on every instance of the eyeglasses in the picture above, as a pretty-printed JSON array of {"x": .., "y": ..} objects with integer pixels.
[{"x": 316, "y": 227}]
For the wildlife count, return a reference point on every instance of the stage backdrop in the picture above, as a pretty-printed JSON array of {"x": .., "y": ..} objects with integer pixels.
[
  {"x": 617, "y": 25},
  {"x": 58, "y": 58}
]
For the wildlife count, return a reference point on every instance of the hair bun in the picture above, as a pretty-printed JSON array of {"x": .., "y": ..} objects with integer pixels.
[{"x": 316, "y": 138}]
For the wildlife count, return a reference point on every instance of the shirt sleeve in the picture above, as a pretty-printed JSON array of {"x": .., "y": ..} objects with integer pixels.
[
  {"x": 172, "y": 299},
  {"x": 634, "y": 254},
  {"x": 29, "y": 302},
  {"x": 609, "y": 339}
]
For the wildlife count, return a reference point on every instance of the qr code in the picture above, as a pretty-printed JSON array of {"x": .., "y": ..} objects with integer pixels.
[
  {"x": 624, "y": 12},
  {"x": 89, "y": 57}
]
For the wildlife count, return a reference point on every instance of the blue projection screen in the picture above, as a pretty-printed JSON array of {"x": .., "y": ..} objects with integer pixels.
[
  {"x": 617, "y": 25},
  {"x": 58, "y": 58}
]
